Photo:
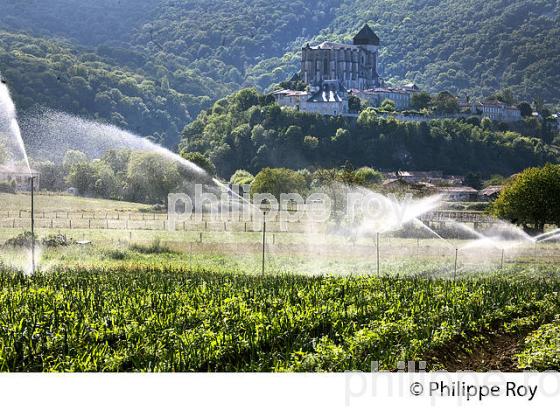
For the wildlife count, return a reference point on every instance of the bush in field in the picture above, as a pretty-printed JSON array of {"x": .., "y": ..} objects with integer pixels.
[
  {"x": 23, "y": 240},
  {"x": 532, "y": 198},
  {"x": 56, "y": 240},
  {"x": 156, "y": 247},
  {"x": 117, "y": 254}
]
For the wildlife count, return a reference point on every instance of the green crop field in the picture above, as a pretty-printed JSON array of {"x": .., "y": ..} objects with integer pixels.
[{"x": 170, "y": 319}]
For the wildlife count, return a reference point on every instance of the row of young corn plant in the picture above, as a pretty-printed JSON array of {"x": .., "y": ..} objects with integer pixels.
[{"x": 168, "y": 319}]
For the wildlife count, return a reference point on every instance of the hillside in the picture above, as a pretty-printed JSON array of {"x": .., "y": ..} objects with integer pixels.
[
  {"x": 192, "y": 52},
  {"x": 246, "y": 131}
]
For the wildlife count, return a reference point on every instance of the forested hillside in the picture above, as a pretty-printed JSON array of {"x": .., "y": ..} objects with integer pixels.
[
  {"x": 192, "y": 52},
  {"x": 248, "y": 131},
  {"x": 60, "y": 76}
]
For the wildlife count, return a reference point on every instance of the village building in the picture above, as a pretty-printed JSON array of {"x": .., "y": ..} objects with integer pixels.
[
  {"x": 19, "y": 177},
  {"x": 458, "y": 194},
  {"x": 375, "y": 97},
  {"x": 493, "y": 109},
  {"x": 400, "y": 185},
  {"x": 436, "y": 178},
  {"x": 414, "y": 176},
  {"x": 556, "y": 122},
  {"x": 330, "y": 99},
  {"x": 490, "y": 193}
]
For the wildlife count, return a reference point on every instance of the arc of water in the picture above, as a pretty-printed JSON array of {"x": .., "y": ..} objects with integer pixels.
[
  {"x": 551, "y": 238},
  {"x": 8, "y": 111},
  {"x": 430, "y": 230},
  {"x": 542, "y": 236}
]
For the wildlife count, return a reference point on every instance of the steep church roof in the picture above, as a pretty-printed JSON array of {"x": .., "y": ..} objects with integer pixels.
[{"x": 366, "y": 36}]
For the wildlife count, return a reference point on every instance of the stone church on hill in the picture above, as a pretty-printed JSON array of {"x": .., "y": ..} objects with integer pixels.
[{"x": 354, "y": 65}]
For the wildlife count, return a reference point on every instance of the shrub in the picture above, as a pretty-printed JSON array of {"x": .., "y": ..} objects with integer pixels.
[
  {"x": 117, "y": 254},
  {"x": 54, "y": 241},
  {"x": 23, "y": 240},
  {"x": 155, "y": 247}
]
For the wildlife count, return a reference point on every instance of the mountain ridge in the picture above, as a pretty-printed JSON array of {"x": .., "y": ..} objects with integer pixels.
[{"x": 199, "y": 51}]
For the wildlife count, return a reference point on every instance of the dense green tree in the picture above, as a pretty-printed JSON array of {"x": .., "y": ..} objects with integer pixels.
[
  {"x": 150, "y": 66},
  {"x": 354, "y": 104},
  {"x": 525, "y": 108},
  {"x": 421, "y": 100},
  {"x": 151, "y": 177},
  {"x": 445, "y": 103},
  {"x": 82, "y": 176},
  {"x": 486, "y": 123},
  {"x": 52, "y": 176},
  {"x": 201, "y": 161},
  {"x": 473, "y": 180},
  {"x": 287, "y": 138},
  {"x": 277, "y": 181},
  {"x": 532, "y": 198},
  {"x": 72, "y": 158},
  {"x": 506, "y": 96}
]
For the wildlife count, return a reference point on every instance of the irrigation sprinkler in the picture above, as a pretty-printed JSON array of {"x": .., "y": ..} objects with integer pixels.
[
  {"x": 377, "y": 249},
  {"x": 265, "y": 206},
  {"x": 456, "y": 258},
  {"x": 502, "y": 262},
  {"x": 32, "y": 183}
]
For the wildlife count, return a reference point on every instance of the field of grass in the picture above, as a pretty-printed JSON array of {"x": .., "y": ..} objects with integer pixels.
[
  {"x": 285, "y": 253},
  {"x": 170, "y": 319},
  {"x": 64, "y": 203}
]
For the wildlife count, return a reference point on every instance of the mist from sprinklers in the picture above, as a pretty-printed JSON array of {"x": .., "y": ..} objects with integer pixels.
[
  {"x": 51, "y": 134},
  {"x": 382, "y": 231}
]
